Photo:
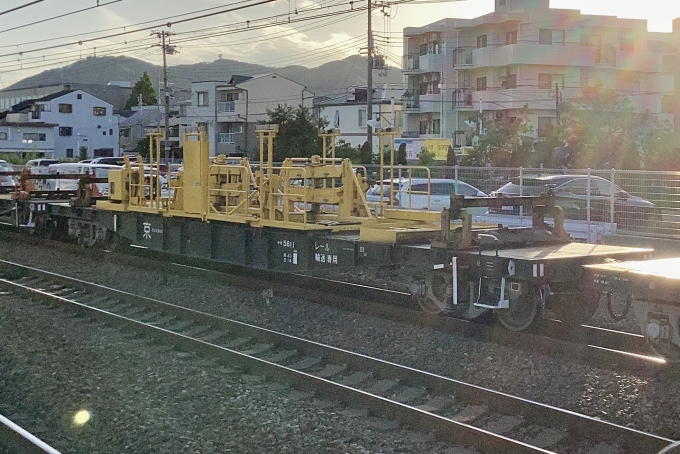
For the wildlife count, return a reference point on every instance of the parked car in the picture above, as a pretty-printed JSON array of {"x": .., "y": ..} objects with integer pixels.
[
  {"x": 571, "y": 193},
  {"x": 413, "y": 193},
  {"x": 6, "y": 181},
  {"x": 114, "y": 161}
]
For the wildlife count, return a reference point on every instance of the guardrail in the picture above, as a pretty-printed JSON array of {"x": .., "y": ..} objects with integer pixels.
[{"x": 638, "y": 202}]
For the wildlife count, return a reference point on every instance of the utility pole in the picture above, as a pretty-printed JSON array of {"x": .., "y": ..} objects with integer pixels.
[
  {"x": 369, "y": 82},
  {"x": 163, "y": 35}
]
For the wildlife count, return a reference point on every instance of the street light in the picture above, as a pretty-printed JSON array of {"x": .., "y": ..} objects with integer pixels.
[{"x": 26, "y": 141}]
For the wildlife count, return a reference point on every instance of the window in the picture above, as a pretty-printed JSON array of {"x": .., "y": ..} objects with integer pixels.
[
  {"x": 79, "y": 96},
  {"x": 511, "y": 37},
  {"x": 69, "y": 152},
  {"x": 481, "y": 83},
  {"x": 3, "y": 136},
  {"x": 545, "y": 126},
  {"x": 590, "y": 82},
  {"x": 548, "y": 36},
  {"x": 65, "y": 131},
  {"x": 548, "y": 81},
  {"x": 110, "y": 132},
  {"x": 510, "y": 81},
  {"x": 481, "y": 41},
  {"x": 202, "y": 100},
  {"x": 590, "y": 40},
  {"x": 501, "y": 2},
  {"x": 99, "y": 111},
  {"x": 362, "y": 118},
  {"x": 103, "y": 133},
  {"x": 65, "y": 108},
  {"x": 436, "y": 126},
  {"x": 627, "y": 44},
  {"x": 34, "y": 136},
  {"x": 465, "y": 79}
]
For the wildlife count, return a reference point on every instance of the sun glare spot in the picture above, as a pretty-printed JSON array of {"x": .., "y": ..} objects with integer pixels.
[{"x": 81, "y": 417}]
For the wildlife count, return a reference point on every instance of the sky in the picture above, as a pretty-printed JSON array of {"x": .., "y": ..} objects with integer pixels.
[{"x": 268, "y": 32}]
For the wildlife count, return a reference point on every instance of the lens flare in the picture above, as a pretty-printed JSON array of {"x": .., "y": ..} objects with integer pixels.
[{"x": 82, "y": 417}]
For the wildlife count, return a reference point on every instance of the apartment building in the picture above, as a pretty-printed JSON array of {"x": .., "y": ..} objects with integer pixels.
[
  {"x": 348, "y": 111},
  {"x": 230, "y": 110},
  {"x": 527, "y": 54}
]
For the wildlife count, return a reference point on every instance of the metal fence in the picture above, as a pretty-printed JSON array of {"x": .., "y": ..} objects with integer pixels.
[{"x": 642, "y": 202}]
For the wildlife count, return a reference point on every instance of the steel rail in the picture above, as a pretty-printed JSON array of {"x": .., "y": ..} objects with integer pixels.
[
  {"x": 578, "y": 425},
  {"x": 615, "y": 350},
  {"x": 18, "y": 439}
]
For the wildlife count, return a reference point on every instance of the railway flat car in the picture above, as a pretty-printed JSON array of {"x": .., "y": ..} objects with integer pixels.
[
  {"x": 653, "y": 289},
  {"x": 312, "y": 214}
]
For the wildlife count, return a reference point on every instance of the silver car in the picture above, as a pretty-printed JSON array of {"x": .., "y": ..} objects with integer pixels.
[{"x": 423, "y": 194}]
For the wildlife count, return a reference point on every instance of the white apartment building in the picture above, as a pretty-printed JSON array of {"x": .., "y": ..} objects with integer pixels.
[
  {"x": 19, "y": 137},
  {"x": 526, "y": 54},
  {"x": 347, "y": 112},
  {"x": 230, "y": 110}
]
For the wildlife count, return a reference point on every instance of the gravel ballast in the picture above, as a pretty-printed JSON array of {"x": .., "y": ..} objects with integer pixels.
[{"x": 646, "y": 403}]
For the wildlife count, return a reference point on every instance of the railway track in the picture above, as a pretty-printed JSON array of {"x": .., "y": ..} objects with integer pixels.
[
  {"x": 455, "y": 411},
  {"x": 610, "y": 349}
]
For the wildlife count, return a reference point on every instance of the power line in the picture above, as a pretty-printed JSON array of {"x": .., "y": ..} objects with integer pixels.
[
  {"x": 59, "y": 16},
  {"x": 16, "y": 8}
]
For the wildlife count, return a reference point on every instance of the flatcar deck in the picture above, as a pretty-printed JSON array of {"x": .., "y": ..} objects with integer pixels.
[
  {"x": 565, "y": 251},
  {"x": 668, "y": 269}
]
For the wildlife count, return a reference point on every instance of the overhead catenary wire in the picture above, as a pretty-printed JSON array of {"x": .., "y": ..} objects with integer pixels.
[{"x": 17, "y": 8}]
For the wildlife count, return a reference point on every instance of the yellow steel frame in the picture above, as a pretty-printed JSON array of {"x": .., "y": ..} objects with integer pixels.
[{"x": 319, "y": 193}]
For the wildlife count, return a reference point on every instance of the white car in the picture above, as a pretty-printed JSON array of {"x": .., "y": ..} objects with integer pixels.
[
  {"x": 7, "y": 180},
  {"x": 413, "y": 193}
]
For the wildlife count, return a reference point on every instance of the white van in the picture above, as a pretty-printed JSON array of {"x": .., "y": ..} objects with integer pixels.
[
  {"x": 413, "y": 193},
  {"x": 40, "y": 166},
  {"x": 78, "y": 168}
]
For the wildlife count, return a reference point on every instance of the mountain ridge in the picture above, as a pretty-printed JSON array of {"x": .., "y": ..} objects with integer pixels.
[{"x": 326, "y": 79}]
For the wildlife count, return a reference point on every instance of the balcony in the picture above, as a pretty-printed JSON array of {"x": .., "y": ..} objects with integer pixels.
[
  {"x": 226, "y": 107},
  {"x": 226, "y": 137},
  {"x": 530, "y": 54},
  {"x": 411, "y": 64},
  {"x": 462, "y": 98},
  {"x": 462, "y": 56},
  {"x": 410, "y": 134},
  {"x": 431, "y": 62},
  {"x": 410, "y": 103},
  {"x": 430, "y": 102}
]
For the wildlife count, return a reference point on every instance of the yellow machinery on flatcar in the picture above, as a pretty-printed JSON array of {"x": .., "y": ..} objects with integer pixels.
[{"x": 320, "y": 193}]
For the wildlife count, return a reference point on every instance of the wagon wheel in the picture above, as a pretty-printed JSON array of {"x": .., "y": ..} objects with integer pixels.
[
  {"x": 435, "y": 300},
  {"x": 111, "y": 241},
  {"x": 523, "y": 312}
]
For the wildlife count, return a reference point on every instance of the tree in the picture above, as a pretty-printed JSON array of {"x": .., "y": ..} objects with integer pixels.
[
  {"x": 451, "y": 157},
  {"x": 366, "y": 154},
  {"x": 298, "y": 132},
  {"x": 425, "y": 158},
  {"x": 82, "y": 153},
  {"x": 507, "y": 143},
  {"x": 346, "y": 151},
  {"x": 143, "y": 147},
  {"x": 604, "y": 130},
  {"x": 143, "y": 87},
  {"x": 401, "y": 154}
]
